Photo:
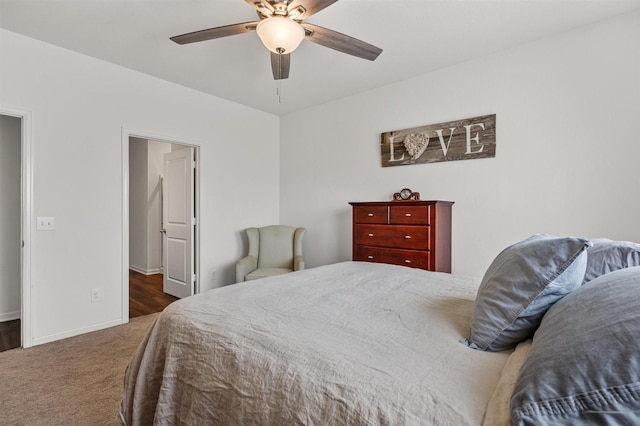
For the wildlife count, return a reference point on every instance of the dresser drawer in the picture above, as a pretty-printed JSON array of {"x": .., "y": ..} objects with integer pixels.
[
  {"x": 412, "y": 258},
  {"x": 397, "y": 236},
  {"x": 409, "y": 215},
  {"x": 371, "y": 214}
]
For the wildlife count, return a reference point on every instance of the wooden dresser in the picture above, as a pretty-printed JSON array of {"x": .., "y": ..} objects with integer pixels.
[{"x": 410, "y": 233}]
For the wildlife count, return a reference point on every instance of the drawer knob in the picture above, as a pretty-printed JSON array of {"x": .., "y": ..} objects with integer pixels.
[
  {"x": 369, "y": 257},
  {"x": 407, "y": 214},
  {"x": 371, "y": 235},
  {"x": 370, "y": 215},
  {"x": 407, "y": 261},
  {"x": 408, "y": 237}
]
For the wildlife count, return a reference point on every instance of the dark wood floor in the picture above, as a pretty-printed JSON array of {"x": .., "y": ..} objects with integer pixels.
[
  {"x": 145, "y": 297},
  {"x": 9, "y": 335}
]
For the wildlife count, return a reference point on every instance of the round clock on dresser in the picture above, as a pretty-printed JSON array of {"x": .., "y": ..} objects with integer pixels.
[{"x": 406, "y": 194}]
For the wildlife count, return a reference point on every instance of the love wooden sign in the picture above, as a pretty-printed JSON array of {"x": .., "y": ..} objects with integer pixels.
[{"x": 465, "y": 139}]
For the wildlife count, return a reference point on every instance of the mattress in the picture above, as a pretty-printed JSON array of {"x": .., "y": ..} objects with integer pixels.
[{"x": 351, "y": 343}]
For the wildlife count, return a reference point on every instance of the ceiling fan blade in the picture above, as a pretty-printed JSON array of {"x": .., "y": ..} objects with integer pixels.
[
  {"x": 340, "y": 42},
  {"x": 217, "y": 32},
  {"x": 311, "y": 7},
  {"x": 280, "y": 65}
]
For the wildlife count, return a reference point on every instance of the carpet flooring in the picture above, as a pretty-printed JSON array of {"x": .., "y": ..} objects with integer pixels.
[{"x": 75, "y": 381}]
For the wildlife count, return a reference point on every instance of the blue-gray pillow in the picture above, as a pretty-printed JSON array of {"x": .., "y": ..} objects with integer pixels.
[
  {"x": 608, "y": 255},
  {"x": 522, "y": 282},
  {"x": 584, "y": 363}
]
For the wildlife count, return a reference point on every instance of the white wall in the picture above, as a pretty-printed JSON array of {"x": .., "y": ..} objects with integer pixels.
[
  {"x": 156, "y": 151},
  {"x": 145, "y": 204},
  {"x": 79, "y": 106},
  {"x": 10, "y": 146},
  {"x": 138, "y": 204},
  {"x": 567, "y": 162}
]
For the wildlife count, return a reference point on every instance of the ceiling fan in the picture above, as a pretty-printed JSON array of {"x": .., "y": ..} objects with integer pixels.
[{"x": 281, "y": 29}]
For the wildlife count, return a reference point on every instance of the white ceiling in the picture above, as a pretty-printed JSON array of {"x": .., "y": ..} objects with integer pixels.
[{"x": 417, "y": 36}]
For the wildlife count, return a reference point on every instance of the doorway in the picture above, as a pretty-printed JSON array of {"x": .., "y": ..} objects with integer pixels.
[
  {"x": 10, "y": 176},
  {"x": 149, "y": 250},
  {"x": 15, "y": 217}
]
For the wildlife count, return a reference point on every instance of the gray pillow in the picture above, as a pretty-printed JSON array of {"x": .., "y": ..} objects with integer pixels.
[
  {"x": 523, "y": 281},
  {"x": 584, "y": 363},
  {"x": 608, "y": 255}
]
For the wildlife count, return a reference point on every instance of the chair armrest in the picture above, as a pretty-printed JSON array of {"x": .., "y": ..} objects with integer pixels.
[
  {"x": 298, "y": 263},
  {"x": 244, "y": 266}
]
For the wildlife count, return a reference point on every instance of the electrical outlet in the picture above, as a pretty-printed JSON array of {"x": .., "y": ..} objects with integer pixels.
[
  {"x": 96, "y": 295},
  {"x": 46, "y": 223}
]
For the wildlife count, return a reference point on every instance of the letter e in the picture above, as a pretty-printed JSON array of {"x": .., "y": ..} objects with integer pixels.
[{"x": 475, "y": 138}]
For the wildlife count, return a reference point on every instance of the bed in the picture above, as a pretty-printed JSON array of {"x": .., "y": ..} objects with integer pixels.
[{"x": 352, "y": 343}]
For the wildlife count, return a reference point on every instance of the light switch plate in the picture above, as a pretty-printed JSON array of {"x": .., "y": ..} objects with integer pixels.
[{"x": 46, "y": 223}]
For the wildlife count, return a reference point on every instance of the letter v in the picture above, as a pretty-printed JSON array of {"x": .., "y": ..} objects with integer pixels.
[{"x": 445, "y": 148}]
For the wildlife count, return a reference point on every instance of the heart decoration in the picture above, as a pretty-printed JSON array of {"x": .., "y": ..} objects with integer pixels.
[{"x": 416, "y": 144}]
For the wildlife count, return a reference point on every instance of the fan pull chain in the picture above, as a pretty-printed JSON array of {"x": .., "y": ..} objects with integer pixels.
[{"x": 279, "y": 88}]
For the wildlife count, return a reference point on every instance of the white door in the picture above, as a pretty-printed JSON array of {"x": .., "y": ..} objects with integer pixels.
[{"x": 179, "y": 222}]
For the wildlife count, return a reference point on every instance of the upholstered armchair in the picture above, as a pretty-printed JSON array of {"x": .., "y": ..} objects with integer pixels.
[{"x": 273, "y": 250}]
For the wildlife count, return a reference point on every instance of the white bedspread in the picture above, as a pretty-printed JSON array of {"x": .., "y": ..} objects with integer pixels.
[
  {"x": 498, "y": 410},
  {"x": 345, "y": 344}
]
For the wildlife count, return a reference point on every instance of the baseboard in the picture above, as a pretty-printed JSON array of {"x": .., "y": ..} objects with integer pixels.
[
  {"x": 10, "y": 316},
  {"x": 146, "y": 271},
  {"x": 76, "y": 332}
]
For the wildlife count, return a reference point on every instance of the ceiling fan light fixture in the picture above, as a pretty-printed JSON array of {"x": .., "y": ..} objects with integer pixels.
[
  {"x": 296, "y": 12},
  {"x": 280, "y": 34},
  {"x": 264, "y": 8}
]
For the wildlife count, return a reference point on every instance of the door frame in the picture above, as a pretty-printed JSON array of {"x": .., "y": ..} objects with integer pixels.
[
  {"x": 126, "y": 134},
  {"x": 26, "y": 195}
]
